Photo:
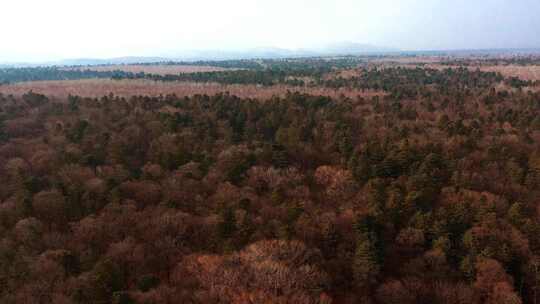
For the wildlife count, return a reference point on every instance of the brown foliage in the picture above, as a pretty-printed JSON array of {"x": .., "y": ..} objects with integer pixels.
[{"x": 267, "y": 271}]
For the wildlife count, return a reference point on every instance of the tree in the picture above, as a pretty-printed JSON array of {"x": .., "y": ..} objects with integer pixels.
[
  {"x": 494, "y": 284},
  {"x": 107, "y": 280},
  {"x": 375, "y": 191},
  {"x": 338, "y": 183},
  {"x": 365, "y": 265},
  {"x": 266, "y": 272},
  {"x": 28, "y": 233},
  {"x": 394, "y": 292},
  {"x": 227, "y": 225},
  {"x": 3, "y": 135},
  {"x": 411, "y": 238},
  {"x": 35, "y": 99},
  {"x": 50, "y": 207}
]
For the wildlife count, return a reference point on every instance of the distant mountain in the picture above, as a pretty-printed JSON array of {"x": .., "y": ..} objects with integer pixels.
[
  {"x": 87, "y": 62},
  {"x": 336, "y": 49},
  {"x": 120, "y": 60},
  {"x": 255, "y": 53},
  {"x": 344, "y": 48},
  {"x": 476, "y": 52},
  {"x": 352, "y": 48},
  {"x": 271, "y": 52}
]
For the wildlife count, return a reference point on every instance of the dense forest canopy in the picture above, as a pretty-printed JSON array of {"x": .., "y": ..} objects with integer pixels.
[{"x": 427, "y": 195}]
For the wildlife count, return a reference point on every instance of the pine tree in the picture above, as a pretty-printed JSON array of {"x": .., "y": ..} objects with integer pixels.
[
  {"x": 3, "y": 134},
  {"x": 376, "y": 197},
  {"x": 365, "y": 266},
  {"x": 280, "y": 159},
  {"x": 516, "y": 214},
  {"x": 330, "y": 239},
  {"x": 227, "y": 226}
]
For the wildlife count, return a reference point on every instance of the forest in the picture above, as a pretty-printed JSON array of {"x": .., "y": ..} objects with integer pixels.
[
  {"x": 426, "y": 193},
  {"x": 265, "y": 72}
]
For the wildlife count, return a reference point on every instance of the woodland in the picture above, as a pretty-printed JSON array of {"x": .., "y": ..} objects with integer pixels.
[{"x": 428, "y": 192}]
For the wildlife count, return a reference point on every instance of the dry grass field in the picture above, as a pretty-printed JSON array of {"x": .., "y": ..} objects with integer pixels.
[
  {"x": 127, "y": 88},
  {"x": 154, "y": 69}
]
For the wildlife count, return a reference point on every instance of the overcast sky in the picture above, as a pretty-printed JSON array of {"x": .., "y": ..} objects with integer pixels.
[{"x": 33, "y": 30}]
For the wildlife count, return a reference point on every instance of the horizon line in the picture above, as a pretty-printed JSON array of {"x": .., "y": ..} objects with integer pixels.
[{"x": 316, "y": 53}]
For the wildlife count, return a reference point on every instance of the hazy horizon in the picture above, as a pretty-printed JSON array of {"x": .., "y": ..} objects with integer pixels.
[{"x": 62, "y": 29}]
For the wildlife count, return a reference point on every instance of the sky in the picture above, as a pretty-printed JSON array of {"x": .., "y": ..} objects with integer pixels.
[{"x": 38, "y": 30}]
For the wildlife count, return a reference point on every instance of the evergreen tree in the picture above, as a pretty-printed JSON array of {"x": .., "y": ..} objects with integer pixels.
[
  {"x": 227, "y": 226},
  {"x": 365, "y": 266}
]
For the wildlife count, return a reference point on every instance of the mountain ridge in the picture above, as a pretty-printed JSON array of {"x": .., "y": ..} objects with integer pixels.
[
  {"x": 336, "y": 49},
  {"x": 344, "y": 48}
]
